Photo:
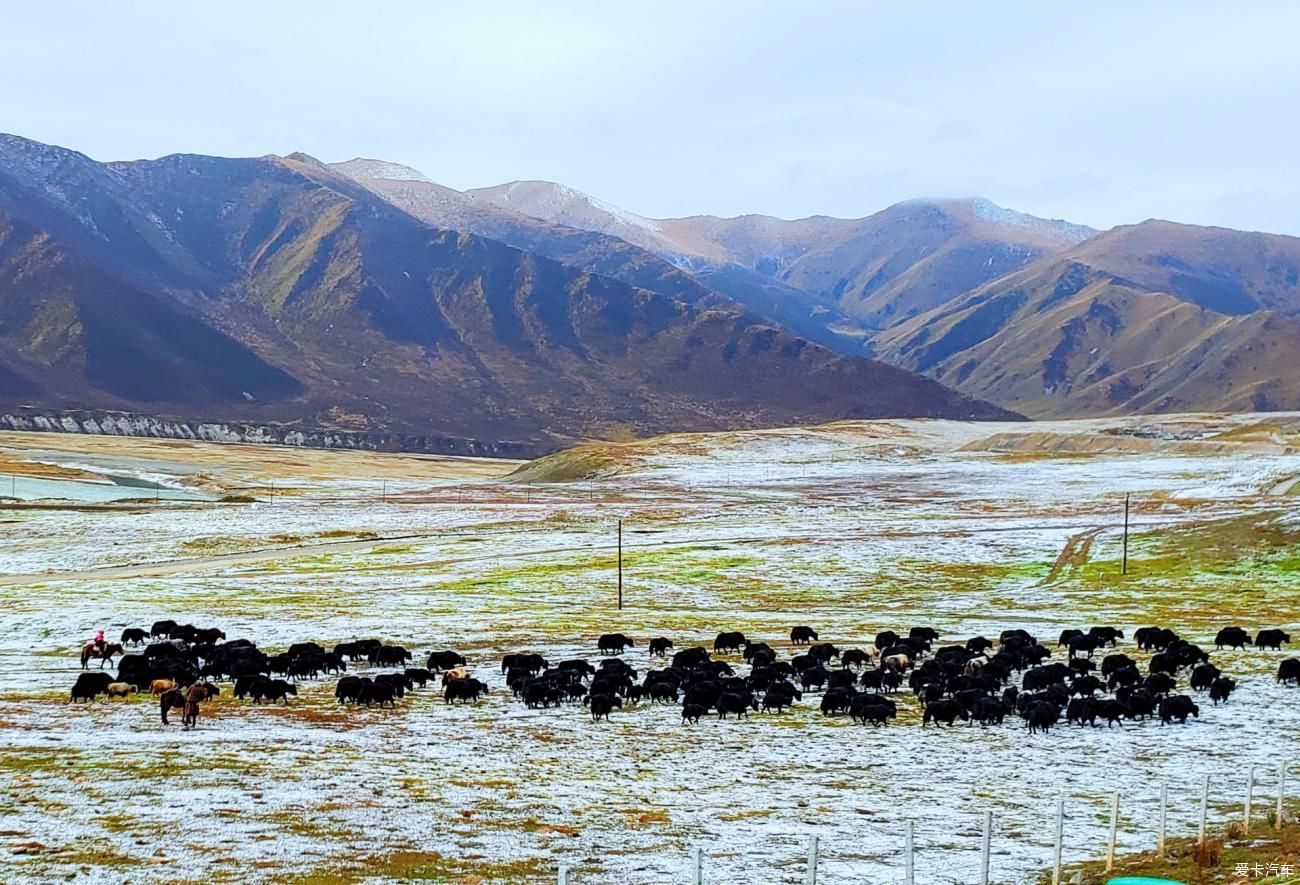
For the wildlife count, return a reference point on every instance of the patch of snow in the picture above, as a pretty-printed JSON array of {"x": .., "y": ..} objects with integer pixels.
[
  {"x": 1056, "y": 228},
  {"x": 382, "y": 169}
]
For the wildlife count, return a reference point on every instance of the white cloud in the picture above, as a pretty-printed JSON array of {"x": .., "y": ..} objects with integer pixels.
[{"x": 1103, "y": 113}]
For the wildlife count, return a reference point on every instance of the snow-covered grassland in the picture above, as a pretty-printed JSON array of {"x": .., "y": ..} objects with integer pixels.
[{"x": 849, "y": 528}]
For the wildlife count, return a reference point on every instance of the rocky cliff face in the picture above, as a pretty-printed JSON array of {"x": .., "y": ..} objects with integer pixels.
[{"x": 123, "y": 424}]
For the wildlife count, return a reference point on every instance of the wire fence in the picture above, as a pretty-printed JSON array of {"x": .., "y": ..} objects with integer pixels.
[{"x": 1239, "y": 809}]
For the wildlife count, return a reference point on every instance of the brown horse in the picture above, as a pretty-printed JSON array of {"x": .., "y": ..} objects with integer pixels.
[
  {"x": 105, "y": 654},
  {"x": 187, "y": 701},
  {"x": 171, "y": 699}
]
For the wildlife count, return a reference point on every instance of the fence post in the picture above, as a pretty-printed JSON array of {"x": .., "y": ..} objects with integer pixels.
[
  {"x": 909, "y": 843},
  {"x": 1060, "y": 838},
  {"x": 1281, "y": 791},
  {"x": 1114, "y": 825},
  {"x": 1124, "y": 567},
  {"x": 984, "y": 848},
  {"x": 1164, "y": 804},
  {"x": 697, "y": 867},
  {"x": 564, "y": 875},
  {"x": 1205, "y": 801},
  {"x": 1250, "y": 796},
  {"x": 811, "y": 877}
]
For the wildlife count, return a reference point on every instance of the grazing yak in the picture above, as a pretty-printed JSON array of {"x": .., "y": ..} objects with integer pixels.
[
  {"x": 527, "y": 662},
  {"x": 737, "y": 702},
  {"x": 1273, "y": 639},
  {"x": 134, "y": 636},
  {"x": 1177, "y": 708},
  {"x": 659, "y": 647},
  {"x": 1154, "y": 638},
  {"x": 1232, "y": 637},
  {"x": 463, "y": 691},
  {"x": 1106, "y": 635},
  {"x": 823, "y": 653},
  {"x": 802, "y": 635},
  {"x": 855, "y": 657},
  {"x": 1289, "y": 671},
  {"x": 445, "y": 660},
  {"x": 732, "y": 641},
  {"x": 614, "y": 643},
  {"x": 837, "y": 701},
  {"x": 418, "y": 676},
  {"x": 389, "y": 656},
  {"x": 89, "y": 685},
  {"x": 1203, "y": 676},
  {"x": 602, "y": 704},
  {"x": 1040, "y": 716},
  {"x": 1221, "y": 689},
  {"x": 162, "y": 628},
  {"x": 943, "y": 712},
  {"x": 270, "y": 690},
  {"x": 872, "y": 708}
]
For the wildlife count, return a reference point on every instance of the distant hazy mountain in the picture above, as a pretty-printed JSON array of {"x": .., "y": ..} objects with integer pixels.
[
  {"x": 903, "y": 260},
  {"x": 834, "y": 280},
  {"x": 1041, "y": 316},
  {"x": 281, "y": 290},
  {"x": 599, "y": 251},
  {"x": 1152, "y": 317}
]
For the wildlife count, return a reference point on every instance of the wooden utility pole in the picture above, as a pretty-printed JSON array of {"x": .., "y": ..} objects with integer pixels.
[
  {"x": 1124, "y": 561},
  {"x": 620, "y": 565}
]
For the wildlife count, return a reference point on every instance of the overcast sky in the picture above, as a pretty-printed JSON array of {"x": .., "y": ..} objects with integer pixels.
[{"x": 1101, "y": 113}]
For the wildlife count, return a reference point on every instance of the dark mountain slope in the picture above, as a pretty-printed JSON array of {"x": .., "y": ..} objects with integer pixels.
[{"x": 278, "y": 290}]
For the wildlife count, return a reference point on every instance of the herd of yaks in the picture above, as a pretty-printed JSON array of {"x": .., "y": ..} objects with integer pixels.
[{"x": 972, "y": 681}]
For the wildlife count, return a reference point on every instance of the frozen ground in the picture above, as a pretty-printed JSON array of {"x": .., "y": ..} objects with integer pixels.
[{"x": 851, "y": 529}]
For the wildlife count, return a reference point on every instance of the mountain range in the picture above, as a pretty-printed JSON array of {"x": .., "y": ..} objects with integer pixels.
[
  {"x": 366, "y": 297},
  {"x": 1045, "y": 317},
  {"x": 284, "y": 291}
]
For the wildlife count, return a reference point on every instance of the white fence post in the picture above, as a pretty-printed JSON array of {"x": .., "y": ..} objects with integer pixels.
[
  {"x": 1060, "y": 838},
  {"x": 1205, "y": 801},
  {"x": 697, "y": 867},
  {"x": 811, "y": 877},
  {"x": 1281, "y": 791},
  {"x": 564, "y": 875},
  {"x": 909, "y": 844},
  {"x": 1164, "y": 805},
  {"x": 984, "y": 848},
  {"x": 1114, "y": 825},
  {"x": 1250, "y": 796}
]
